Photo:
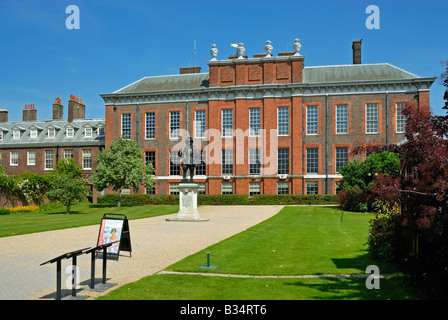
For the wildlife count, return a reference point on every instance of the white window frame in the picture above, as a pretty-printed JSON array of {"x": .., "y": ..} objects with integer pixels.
[
  {"x": 254, "y": 188},
  {"x": 312, "y": 184},
  {"x": 70, "y": 132},
  {"x": 372, "y": 119},
  {"x": 341, "y": 121},
  {"x": 254, "y": 122},
  {"x": 14, "y": 158},
  {"x": 312, "y": 119},
  {"x": 88, "y": 132},
  {"x": 124, "y": 125},
  {"x": 174, "y": 188},
  {"x": 68, "y": 153},
  {"x": 336, "y": 160},
  {"x": 33, "y": 133},
  {"x": 226, "y": 123},
  {"x": 254, "y": 162},
  {"x": 283, "y": 121},
  {"x": 100, "y": 131},
  {"x": 226, "y": 187},
  {"x": 16, "y": 134},
  {"x": 312, "y": 162},
  {"x": 51, "y": 133},
  {"x": 31, "y": 160},
  {"x": 86, "y": 156},
  {"x": 400, "y": 119},
  {"x": 174, "y": 125},
  {"x": 283, "y": 185},
  {"x": 150, "y": 125},
  {"x": 200, "y": 125},
  {"x": 48, "y": 160}
]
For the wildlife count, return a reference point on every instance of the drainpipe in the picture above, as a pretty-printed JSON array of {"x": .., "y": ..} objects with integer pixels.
[
  {"x": 387, "y": 118},
  {"x": 326, "y": 143},
  {"x": 137, "y": 122},
  {"x": 303, "y": 147}
]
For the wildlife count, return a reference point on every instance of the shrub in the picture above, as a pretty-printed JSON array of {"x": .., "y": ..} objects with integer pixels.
[
  {"x": 221, "y": 199},
  {"x": 381, "y": 238},
  {"x": 353, "y": 199},
  {"x": 4, "y": 212},
  {"x": 51, "y": 206}
]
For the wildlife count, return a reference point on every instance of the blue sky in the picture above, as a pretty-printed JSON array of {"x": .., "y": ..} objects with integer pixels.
[{"x": 120, "y": 42}]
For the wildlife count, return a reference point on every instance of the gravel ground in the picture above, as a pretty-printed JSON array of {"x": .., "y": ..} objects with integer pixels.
[{"x": 156, "y": 244}]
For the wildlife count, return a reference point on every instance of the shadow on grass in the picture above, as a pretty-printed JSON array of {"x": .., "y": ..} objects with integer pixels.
[
  {"x": 393, "y": 288},
  {"x": 361, "y": 263},
  {"x": 74, "y": 212}
]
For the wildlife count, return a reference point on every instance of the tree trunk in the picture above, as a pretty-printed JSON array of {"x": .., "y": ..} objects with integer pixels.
[{"x": 119, "y": 199}]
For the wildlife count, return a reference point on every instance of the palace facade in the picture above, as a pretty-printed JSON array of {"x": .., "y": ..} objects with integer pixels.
[{"x": 267, "y": 124}]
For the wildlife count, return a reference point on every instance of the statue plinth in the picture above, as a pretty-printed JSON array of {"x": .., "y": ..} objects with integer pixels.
[{"x": 188, "y": 203}]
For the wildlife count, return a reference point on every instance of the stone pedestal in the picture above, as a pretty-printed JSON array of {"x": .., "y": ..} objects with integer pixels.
[{"x": 188, "y": 203}]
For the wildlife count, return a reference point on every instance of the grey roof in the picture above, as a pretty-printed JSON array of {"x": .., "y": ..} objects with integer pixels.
[
  {"x": 318, "y": 74},
  {"x": 42, "y": 139},
  {"x": 165, "y": 83},
  {"x": 355, "y": 72}
]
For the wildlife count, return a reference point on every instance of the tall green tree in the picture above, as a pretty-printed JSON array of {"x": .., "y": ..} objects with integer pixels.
[
  {"x": 67, "y": 184},
  {"x": 122, "y": 166}
]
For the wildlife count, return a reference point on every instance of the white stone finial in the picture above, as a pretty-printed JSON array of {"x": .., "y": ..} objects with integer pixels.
[
  {"x": 214, "y": 52},
  {"x": 240, "y": 50},
  {"x": 297, "y": 47},
  {"x": 268, "y": 47}
]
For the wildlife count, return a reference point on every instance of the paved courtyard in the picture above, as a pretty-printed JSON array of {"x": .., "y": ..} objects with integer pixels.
[{"x": 156, "y": 244}]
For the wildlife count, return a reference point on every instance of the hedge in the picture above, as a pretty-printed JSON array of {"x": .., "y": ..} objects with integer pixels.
[{"x": 221, "y": 199}]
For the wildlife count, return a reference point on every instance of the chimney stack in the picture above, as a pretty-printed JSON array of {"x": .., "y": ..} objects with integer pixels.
[
  {"x": 58, "y": 110},
  {"x": 356, "y": 46},
  {"x": 185, "y": 70},
  {"x": 3, "y": 115},
  {"x": 29, "y": 113},
  {"x": 76, "y": 109}
]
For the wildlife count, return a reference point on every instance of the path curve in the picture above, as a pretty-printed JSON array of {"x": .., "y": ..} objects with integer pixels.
[{"x": 156, "y": 244}]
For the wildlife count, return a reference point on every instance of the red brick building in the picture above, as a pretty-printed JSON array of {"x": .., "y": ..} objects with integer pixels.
[
  {"x": 36, "y": 146},
  {"x": 267, "y": 124}
]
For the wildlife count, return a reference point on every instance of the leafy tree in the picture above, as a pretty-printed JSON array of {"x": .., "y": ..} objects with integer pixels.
[
  {"x": 355, "y": 190},
  {"x": 68, "y": 168},
  {"x": 122, "y": 166},
  {"x": 67, "y": 185},
  {"x": 419, "y": 233}
]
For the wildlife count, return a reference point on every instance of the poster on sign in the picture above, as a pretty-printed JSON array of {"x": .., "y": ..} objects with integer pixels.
[
  {"x": 114, "y": 228},
  {"x": 110, "y": 231}
]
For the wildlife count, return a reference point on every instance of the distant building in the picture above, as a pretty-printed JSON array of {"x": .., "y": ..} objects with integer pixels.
[
  {"x": 318, "y": 114},
  {"x": 36, "y": 146}
]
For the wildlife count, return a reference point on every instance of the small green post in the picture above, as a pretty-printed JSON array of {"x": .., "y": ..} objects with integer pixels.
[{"x": 208, "y": 263}]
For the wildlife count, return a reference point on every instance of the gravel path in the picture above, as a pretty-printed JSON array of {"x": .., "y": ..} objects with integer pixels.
[{"x": 156, "y": 244}]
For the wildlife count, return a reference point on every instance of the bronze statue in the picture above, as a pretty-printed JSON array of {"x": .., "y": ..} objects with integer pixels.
[{"x": 189, "y": 159}]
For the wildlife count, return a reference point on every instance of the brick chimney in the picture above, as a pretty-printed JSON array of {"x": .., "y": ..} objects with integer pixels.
[
  {"x": 76, "y": 109},
  {"x": 58, "y": 110},
  {"x": 185, "y": 70},
  {"x": 29, "y": 113},
  {"x": 356, "y": 46},
  {"x": 3, "y": 115}
]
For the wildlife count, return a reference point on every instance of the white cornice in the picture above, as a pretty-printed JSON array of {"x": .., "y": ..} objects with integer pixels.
[{"x": 277, "y": 90}]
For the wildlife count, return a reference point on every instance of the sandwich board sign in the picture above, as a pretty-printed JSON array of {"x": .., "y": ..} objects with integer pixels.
[{"x": 114, "y": 228}]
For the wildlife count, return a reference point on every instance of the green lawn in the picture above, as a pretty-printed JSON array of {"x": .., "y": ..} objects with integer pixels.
[
  {"x": 297, "y": 241},
  {"x": 82, "y": 214}
]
